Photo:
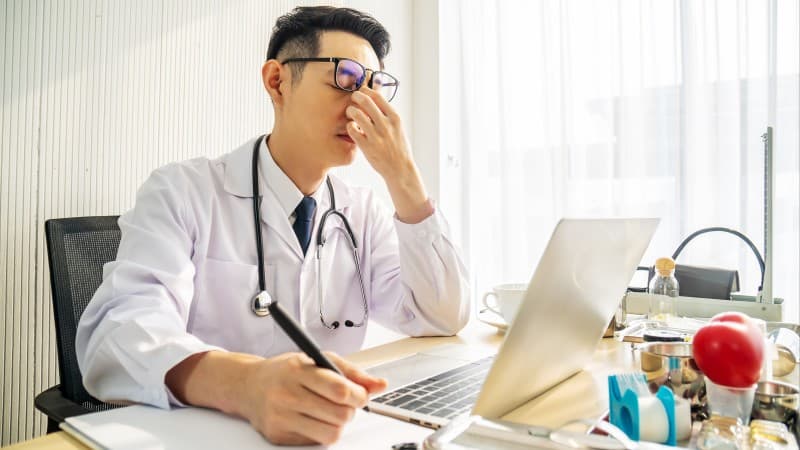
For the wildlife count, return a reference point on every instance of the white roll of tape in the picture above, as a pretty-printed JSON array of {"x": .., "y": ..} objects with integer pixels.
[
  {"x": 653, "y": 422},
  {"x": 683, "y": 419}
]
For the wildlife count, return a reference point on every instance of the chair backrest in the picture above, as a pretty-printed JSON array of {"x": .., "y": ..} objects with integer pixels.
[{"x": 77, "y": 249}]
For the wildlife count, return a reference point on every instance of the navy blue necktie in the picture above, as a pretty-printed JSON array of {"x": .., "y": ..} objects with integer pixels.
[{"x": 303, "y": 221}]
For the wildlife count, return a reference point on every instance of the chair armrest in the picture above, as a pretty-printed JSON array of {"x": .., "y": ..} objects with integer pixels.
[{"x": 53, "y": 404}]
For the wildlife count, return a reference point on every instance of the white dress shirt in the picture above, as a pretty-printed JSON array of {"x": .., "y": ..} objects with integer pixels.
[{"x": 186, "y": 272}]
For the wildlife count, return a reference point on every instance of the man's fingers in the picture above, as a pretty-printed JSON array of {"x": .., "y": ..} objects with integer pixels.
[
  {"x": 301, "y": 403},
  {"x": 334, "y": 387},
  {"x": 376, "y": 385},
  {"x": 356, "y": 134},
  {"x": 371, "y": 384},
  {"x": 288, "y": 438},
  {"x": 379, "y": 101},
  {"x": 317, "y": 407},
  {"x": 360, "y": 117},
  {"x": 313, "y": 429},
  {"x": 366, "y": 104}
]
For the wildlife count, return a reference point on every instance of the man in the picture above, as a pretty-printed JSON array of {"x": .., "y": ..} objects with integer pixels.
[{"x": 174, "y": 323}]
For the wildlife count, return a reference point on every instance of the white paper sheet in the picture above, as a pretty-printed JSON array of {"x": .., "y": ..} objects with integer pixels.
[{"x": 144, "y": 427}]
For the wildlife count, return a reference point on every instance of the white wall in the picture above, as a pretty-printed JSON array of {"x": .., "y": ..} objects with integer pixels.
[{"x": 98, "y": 93}]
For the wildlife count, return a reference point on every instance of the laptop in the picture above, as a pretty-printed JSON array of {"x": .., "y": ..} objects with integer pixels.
[{"x": 574, "y": 292}]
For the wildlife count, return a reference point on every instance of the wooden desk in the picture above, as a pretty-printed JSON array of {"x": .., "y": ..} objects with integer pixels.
[{"x": 583, "y": 395}]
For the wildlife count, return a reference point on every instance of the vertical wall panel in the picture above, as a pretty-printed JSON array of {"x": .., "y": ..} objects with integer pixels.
[
  {"x": 95, "y": 95},
  {"x": 19, "y": 130}
]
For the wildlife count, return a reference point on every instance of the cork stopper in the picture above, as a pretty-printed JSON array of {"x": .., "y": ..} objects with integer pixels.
[{"x": 665, "y": 266}]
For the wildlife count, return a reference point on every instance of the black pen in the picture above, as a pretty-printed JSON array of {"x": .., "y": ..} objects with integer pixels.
[{"x": 299, "y": 337}]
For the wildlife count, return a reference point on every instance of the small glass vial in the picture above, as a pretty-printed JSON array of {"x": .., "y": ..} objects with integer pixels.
[{"x": 664, "y": 288}]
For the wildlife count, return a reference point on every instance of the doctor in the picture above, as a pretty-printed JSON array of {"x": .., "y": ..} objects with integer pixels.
[{"x": 175, "y": 322}]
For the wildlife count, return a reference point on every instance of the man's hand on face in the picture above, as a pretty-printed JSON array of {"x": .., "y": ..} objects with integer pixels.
[
  {"x": 293, "y": 402},
  {"x": 378, "y": 131}
]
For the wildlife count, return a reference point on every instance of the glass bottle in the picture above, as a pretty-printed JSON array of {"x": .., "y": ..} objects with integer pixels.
[{"x": 664, "y": 289}]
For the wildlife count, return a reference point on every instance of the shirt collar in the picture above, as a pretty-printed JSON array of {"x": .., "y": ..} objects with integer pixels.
[
  {"x": 280, "y": 184},
  {"x": 237, "y": 167}
]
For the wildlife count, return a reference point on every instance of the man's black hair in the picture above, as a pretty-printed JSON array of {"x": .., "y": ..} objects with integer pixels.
[{"x": 296, "y": 34}]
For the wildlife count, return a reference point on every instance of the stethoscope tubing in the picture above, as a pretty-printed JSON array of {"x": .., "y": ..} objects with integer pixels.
[{"x": 262, "y": 298}]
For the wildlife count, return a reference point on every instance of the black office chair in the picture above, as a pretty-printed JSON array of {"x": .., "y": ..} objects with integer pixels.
[{"x": 77, "y": 249}]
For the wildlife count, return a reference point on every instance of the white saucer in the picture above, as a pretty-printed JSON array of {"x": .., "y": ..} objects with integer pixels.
[{"x": 489, "y": 317}]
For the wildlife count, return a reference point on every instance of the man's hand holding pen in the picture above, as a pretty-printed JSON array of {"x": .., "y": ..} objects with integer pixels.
[{"x": 294, "y": 402}]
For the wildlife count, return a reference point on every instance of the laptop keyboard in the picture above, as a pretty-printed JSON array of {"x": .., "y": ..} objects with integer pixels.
[{"x": 444, "y": 395}]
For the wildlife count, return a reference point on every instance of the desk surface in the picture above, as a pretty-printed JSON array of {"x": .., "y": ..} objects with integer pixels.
[{"x": 583, "y": 395}]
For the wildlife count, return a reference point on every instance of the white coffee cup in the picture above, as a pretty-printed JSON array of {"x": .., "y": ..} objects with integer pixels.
[{"x": 507, "y": 298}]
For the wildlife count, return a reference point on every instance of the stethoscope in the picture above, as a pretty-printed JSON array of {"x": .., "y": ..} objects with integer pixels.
[{"x": 263, "y": 299}]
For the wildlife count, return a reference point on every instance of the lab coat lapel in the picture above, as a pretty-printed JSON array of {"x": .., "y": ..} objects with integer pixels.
[{"x": 239, "y": 182}]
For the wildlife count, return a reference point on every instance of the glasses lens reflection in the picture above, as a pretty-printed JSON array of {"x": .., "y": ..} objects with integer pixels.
[
  {"x": 385, "y": 84},
  {"x": 349, "y": 75}
]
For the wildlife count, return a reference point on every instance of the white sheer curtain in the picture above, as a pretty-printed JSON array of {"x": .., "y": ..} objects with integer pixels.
[{"x": 581, "y": 108}]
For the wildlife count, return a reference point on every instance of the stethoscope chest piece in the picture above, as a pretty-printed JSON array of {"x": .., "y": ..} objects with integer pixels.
[{"x": 261, "y": 303}]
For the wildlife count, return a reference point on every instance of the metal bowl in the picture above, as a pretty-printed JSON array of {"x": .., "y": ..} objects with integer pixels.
[
  {"x": 671, "y": 364},
  {"x": 778, "y": 402}
]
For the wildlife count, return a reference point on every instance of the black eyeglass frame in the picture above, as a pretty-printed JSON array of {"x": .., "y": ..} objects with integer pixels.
[{"x": 336, "y": 61}]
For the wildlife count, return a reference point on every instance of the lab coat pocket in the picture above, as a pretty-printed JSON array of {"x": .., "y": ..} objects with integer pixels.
[{"x": 224, "y": 314}]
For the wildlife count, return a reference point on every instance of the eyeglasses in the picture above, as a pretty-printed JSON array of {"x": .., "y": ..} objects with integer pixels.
[{"x": 349, "y": 75}]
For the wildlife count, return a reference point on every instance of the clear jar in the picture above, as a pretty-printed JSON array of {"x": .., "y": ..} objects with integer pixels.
[{"x": 664, "y": 290}]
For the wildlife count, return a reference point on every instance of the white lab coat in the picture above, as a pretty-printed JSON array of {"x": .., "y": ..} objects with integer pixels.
[{"x": 186, "y": 272}]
